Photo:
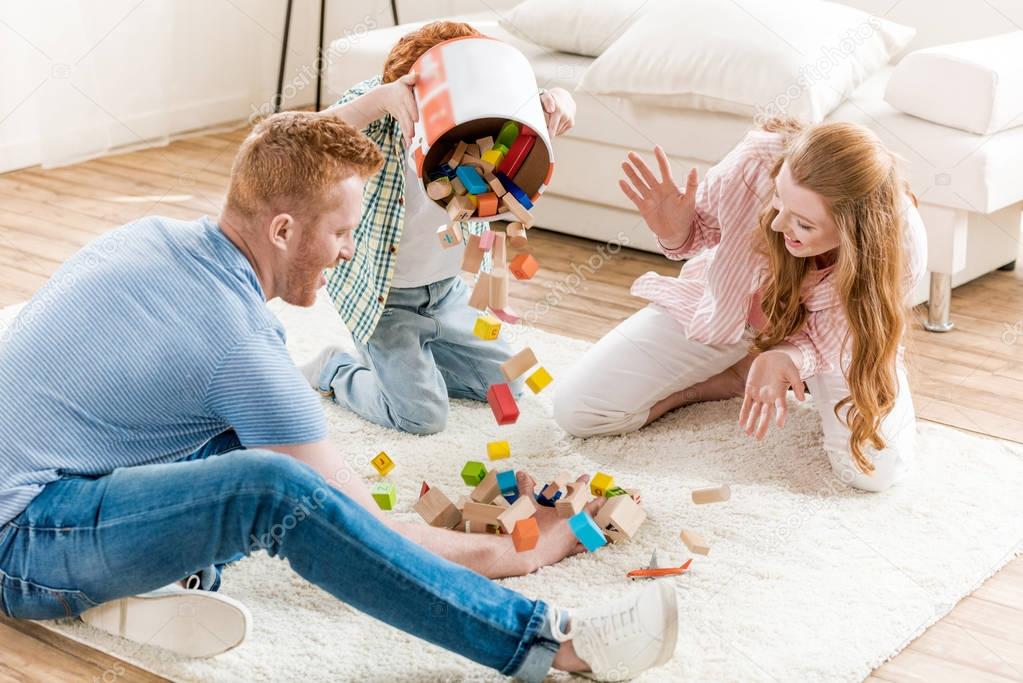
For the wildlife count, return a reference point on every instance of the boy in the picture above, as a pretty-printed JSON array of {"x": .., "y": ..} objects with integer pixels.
[{"x": 401, "y": 296}]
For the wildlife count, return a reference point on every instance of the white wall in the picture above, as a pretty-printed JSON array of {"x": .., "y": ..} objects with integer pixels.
[{"x": 123, "y": 71}]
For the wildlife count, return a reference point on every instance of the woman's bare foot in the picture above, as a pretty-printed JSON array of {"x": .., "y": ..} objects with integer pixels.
[{"x": 728, "y": 383}]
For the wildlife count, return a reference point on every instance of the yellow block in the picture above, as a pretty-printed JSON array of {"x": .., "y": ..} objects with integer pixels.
[
  {"x": 497, "y": 450},
  {"x": 487, "y": 327},
  {"x": 601, "y": 483},
  {"x": 538, "y": 380},
  {"x": 382, "y": 463}
]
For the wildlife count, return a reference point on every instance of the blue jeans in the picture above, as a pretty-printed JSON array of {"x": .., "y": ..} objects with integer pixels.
[
  {"x": 85, "y": 541},
  {"x": 422, "y": 351}
]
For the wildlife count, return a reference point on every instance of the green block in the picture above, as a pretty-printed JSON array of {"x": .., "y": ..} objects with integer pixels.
[
  {"x": 615, "y": 491},
  {"x": 473, "y": 472},
  {"x": 385, "y": 494}
]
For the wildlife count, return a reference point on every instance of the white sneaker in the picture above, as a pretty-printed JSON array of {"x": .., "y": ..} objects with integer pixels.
[
  {"x": 621, "y": 640},
  {"x": 187, "y": 622},
  {"x": 314, "y": 369}
]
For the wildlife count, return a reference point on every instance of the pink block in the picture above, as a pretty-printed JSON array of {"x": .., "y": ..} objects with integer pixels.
[
  {"x": 487, "y": 240},
  {"x": 506, "y": 314}
]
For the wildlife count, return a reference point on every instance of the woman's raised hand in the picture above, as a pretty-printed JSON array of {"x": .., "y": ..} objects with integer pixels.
[{"x": 666, "y": 208}]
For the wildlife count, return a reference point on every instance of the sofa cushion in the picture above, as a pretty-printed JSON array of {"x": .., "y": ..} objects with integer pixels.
[{"x": 580, "y": 27}]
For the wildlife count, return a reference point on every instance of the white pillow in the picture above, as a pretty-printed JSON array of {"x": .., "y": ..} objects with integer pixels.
[
  {"x": 976, "y": 86},
  {"x": 583, "y": 27},
  {"x": 750, "y": 57}
]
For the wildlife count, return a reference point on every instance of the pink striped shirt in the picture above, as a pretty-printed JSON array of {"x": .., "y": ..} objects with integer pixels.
[{"x": 713, "y": 295}]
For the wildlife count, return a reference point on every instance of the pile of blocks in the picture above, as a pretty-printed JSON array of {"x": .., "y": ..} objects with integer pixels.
[{"x": 484, "y": 178}]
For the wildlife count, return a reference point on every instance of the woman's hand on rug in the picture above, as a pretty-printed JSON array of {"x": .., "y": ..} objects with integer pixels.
[
  {"x": 770, "y": 376},
  {"x": 666, "y": 208}
]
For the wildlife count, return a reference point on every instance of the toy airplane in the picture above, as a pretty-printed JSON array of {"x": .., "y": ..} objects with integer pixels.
[{"x": 654, "y": 571}]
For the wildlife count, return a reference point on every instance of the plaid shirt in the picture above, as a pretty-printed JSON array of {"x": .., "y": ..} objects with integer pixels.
[{"x": 359, "y": 287}]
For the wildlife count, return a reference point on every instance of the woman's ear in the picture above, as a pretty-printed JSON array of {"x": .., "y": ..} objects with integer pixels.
[{"x": 282, "y": 230}]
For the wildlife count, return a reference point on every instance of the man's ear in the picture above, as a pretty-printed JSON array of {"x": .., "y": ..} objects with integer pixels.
[{"x": 282, "y": 230}]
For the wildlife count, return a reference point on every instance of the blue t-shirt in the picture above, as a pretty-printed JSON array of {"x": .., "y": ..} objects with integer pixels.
[{"x": 141, "y": 348}]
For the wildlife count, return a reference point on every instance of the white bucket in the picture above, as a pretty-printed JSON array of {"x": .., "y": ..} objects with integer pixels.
[{"x": 466, "y": 90}]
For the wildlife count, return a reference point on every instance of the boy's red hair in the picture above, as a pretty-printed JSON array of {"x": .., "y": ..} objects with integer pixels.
[{"x": 412, "y": 46}]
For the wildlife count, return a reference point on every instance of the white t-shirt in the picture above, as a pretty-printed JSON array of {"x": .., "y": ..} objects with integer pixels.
[{"x": 421, "y": 258}]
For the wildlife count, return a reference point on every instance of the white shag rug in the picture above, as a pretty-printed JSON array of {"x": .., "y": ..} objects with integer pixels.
[{"x": 805, "y": 581}]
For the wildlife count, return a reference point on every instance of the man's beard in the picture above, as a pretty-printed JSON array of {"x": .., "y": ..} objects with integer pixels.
[{"x": 303, "y": 279}]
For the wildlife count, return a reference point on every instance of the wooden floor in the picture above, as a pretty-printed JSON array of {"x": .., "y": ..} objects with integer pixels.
[{"x": 970, "y": 378}]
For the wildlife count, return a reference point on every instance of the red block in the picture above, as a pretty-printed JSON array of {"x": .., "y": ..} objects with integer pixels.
[
  {"x": 516, "y": 155},
  {"x": 422, "y": 491},
  {"x": 501, "y": 401},
  {"x": 524, "y": 266}
]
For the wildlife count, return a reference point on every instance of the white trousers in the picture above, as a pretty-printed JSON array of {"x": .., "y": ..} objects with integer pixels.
[{"x": 612, "y": 388}]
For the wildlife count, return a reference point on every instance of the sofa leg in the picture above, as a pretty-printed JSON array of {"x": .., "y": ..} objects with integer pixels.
[
  {"x": 939, "y": 303},
  {"x": 1009, "y": 266}
]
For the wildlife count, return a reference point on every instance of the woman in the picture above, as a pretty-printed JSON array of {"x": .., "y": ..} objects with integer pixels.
[{"x": 804, "y": 244}]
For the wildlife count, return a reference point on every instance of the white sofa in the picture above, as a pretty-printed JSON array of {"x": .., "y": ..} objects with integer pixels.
[{"x": 970, "y": 186}]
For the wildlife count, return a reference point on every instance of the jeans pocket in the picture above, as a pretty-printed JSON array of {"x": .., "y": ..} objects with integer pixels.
[{"x": 25, "y": 600}]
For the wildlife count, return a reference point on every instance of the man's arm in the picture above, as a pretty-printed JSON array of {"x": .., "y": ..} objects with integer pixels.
[{"x": 490, "y": 555}]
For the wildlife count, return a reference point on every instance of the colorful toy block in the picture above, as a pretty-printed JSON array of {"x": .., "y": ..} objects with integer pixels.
[
  {"x": 487, "y": 490},
  {"x": 480, "y": 297},
  {"x": 524, "y": 266},
  {"x": 575, "y": 499},
  {"x": 615, "y": 491},
  {"x": 587, "y": 531},
  {"x": 546, "y": 500},
  {"x": 695, "y": 542},
  {"x": 620, "y": 518},
  {"x": 472, "y": 259},
  {"x": 526, "y": 534},
  {"x": 487, "y": 239},
  {"x": 507, "y": 483},
  {"x": 487, "y": 204},
  {"x": 498, "y": 450},
  {"x": 438, "y": 510},
  {"x": 382, "y": 463},
  {"x": 501, "y": 401},
  {"x": 522, "y": 508},
  {"x": 495, "y": 155},
  {"x": 472, "y": 179},
  {"x": 509, "y": 132},
  {"x": 517, "y": 153},
  {"x": 506, "y": 315},
  {"x": 513, "y": 189},
  {"x": 539, "y": 380},
  {"x": 487, "y": 328},
  {"x": 600, "y": 484},
  {"x": 447, "y": 170},
  {"x": 516, "y": 234},
  {"x": 439, "y": 189},
  {"x": 517, "y": 365},
  {"x": 424, "y": 489},
  {"x": 713, "y": 494},
  {"x": 473, "y": 472},
  {"x": 384, "y": 493}
]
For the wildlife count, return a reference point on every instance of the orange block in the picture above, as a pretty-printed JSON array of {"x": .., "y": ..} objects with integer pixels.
[
  {"x": 526, "y": 534},
  {"x": 523, "y": 266},
  {"x": 487, "y": 204}
]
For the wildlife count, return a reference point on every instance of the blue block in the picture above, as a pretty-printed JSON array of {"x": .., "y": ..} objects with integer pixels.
[
  {"x": 587, "y": 531},
  {"x": 545, "y": 501},
  {"x": 473, "y": 181},
  {"x": 506, "y": 482},
  {"x": 514, "y": 190},
  {"x": 512, "y": 497},
  {"x": 448, "y": 172}
]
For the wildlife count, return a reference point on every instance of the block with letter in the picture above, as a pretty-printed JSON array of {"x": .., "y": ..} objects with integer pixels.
[
  {"x": 488, "y": 328},
  {"x": 382, "y": 463},
  {"x": 385, "y": 494}
]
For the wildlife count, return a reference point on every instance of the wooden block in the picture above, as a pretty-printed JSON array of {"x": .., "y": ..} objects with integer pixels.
[
  {"x": 438, "y": 510},
  {"x": 713, "y": 494},
  {"x": 495, "y": 185},
  {"x": 620, "y": 518},
  {"x": 695, "y": 542},
  {"x": 474, "y": 472},
  {"x": 498, "y": 289},
  {"x": 481, "y": 512},
  {"x": 472, "y": 259},
  {"x": 573, "y": 501},
  {"x": 498, "y": 450},
  {"x": 385, "y": 494},
  {"x": 457, "y": 154},
  {"x": 526, "y": 534},
  {"x": 457, "y": 187},
  {"x": 635, "y": 495},
  {"x": 533, "y": 172},
  {"x": 480, "y": 297},
  {"x": 524, "y": 266},
  {"x": 516, "y": 155},
  {"x": 500, "y": 251},
  {"x": 600, "y": 484},
  {"x": 483, "y": 144},
  {"x": 472, "y": 149},
  {"x": 517, "y": 210},
  {"x": 517, "y": 365},
  {"x": 460, "y": 503},
  {"x": 538, "y": 380},
  {"x": 460, "y": 208},
  {"x": 439, "y": 189},
  {"x": 487, "y": 239},
  {"x": 487, "y": 204},
  {"x": 449, "y": 235},
  {"x": 501, "y": 501},
  {"x": 502, "y": 403},
  {"x": 382, "y": 463},
  {"x": 587, "y": 531},
  {"x": 486, "y": 490},
  {"x": 523, "y": 508},
  {"x": 487, "y": 328},
  {"x": 516, "y": 233}
]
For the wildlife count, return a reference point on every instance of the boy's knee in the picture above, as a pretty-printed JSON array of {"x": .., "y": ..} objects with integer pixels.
[{"x": 429, "y": 416}]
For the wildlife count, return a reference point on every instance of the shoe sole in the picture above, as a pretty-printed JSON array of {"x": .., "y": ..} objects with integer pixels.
[
  {"x": 196, "y": 625},
  {"x": 670, "y": 602}
]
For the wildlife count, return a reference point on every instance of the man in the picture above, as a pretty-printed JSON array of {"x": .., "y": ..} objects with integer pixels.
[{"x": 152, "y": 424}]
